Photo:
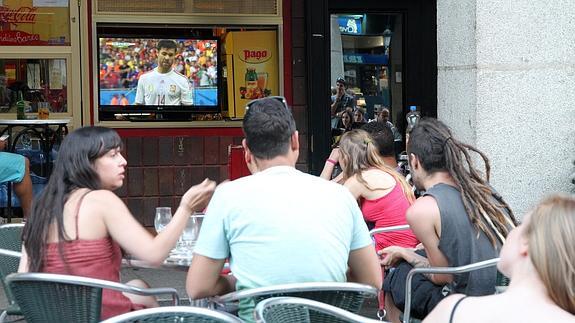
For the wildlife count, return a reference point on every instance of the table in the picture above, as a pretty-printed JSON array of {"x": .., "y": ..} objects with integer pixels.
[
  {"x": 41, "y": 128},
  {"x": 172, "y": 263}
]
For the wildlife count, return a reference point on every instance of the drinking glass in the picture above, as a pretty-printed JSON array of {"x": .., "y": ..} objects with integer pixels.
[
  {"x": 162, "y": 218},
  {"x": 190, "y": 235}
]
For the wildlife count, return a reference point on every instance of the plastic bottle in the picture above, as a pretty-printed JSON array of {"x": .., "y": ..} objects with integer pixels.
[
  {"x": 412, "y": 117},
  {"x": 20, "y": 105}
]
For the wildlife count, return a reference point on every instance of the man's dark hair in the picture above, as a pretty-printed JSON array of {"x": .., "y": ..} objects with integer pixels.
[
  {"x": 167, "y": 44},
  {"x": 268, "y": 126},
  {"x": 383, "y": 137},
  {"x": 433, "y": 144}
]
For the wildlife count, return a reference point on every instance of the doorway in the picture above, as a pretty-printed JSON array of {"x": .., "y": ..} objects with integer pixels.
[{"x": 386, "y": 54}]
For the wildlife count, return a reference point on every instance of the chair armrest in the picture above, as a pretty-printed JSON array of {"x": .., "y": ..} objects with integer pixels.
[
  {"x": 440, "y": 270},
  {"x": 98, "y": 283},
  {"x": 375, "y": 231},
  {"x": 10, "y": 253}
]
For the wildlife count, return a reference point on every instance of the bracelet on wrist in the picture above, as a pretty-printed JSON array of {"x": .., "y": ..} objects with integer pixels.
[{"x": 331, "y": 161}]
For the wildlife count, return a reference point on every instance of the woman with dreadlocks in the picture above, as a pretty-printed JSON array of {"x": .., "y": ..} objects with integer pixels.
[{"x": 459, "y": 220}]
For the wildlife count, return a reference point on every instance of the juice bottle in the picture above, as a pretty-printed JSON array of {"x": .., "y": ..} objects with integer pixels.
[{"x": 251, "y": 83}]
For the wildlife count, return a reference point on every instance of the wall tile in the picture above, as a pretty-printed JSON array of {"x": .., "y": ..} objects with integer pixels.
[
  {"x": 303, "y": 148},
  {"x": 149, "y": 211},
  {"x": 166, "y": 151},
  {"x": 298, "y": 63},
  {"x": 297, "y": 8},
  {"x": 211, "y": 150},
  {"x": 166, "y": 180},
  {"x": 150, "y": 151},
  {"x": 134, "y": 149},
  {"x": 238, "y": 140},
  {"x": 150, "y": 181},
  {"x": 135, "y": 207},
  {"x": 213, "y": 172},
  {"x": 197, "y": 175},
  {"x": 224, "y": 173},
  {"x": 135, "y": 180},
  {"x": 300, "y": 115},
  {"x": 196, "y": 147},
  {"x": 182, "y": 180}
]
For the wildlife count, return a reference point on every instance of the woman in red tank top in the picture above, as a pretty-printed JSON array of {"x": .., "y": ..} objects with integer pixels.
[
  {"x": 78, "y": 225},
  {"x": 383, "y": 194}
]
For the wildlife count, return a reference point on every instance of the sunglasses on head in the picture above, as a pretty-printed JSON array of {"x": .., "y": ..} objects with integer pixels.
[{"x": 275, "y": 97}]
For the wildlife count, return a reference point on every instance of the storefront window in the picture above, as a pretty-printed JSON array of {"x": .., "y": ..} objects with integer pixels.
[
  {"x": 35, "y": 23},
  {"x": 39, "y": 80}
]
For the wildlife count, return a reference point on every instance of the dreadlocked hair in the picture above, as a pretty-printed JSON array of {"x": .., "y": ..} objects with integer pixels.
[
  {"x": 433, "y": 144},
  {"x": 360, "y": 153}
]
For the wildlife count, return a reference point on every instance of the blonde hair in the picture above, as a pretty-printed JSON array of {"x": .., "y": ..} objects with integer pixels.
[
  {"x": 550, "y": 233},
  {"x": 360, "y": 153}
]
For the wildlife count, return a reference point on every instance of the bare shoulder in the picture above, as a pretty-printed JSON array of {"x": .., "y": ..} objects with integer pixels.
[
  {"x": 424, "y": 207},
  {"x": 103, "y": 200}
]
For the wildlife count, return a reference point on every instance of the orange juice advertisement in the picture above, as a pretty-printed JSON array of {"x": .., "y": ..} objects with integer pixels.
[
  {"x": 252, "y": 61},
  {"x": 34, "y": 22}
]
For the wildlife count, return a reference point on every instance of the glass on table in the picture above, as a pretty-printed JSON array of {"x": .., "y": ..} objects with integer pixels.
[
  {"x": 187, "y": 241},
  {"x": 162, "y": 218}
]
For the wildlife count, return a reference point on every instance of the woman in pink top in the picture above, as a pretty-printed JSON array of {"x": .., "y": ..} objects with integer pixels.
[
  {"x": 383, "y": 194},
  {"x": 78, "y": 225}
]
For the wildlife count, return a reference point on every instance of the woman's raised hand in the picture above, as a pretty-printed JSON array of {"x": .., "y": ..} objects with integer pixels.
[{"x": 198, "y": 196}]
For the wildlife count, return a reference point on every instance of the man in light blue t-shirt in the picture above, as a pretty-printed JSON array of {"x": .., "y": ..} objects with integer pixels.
[{"x": 279, "y": 225}]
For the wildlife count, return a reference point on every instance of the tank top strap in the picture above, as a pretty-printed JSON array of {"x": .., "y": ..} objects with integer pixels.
[
  {"x": 78, "y": 212},
  {"x": 454, "y": 308}
]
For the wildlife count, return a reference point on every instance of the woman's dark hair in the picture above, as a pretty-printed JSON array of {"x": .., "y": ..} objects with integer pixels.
[
  {"x": 73, "y": 169},
  {"x": 436, "y": 149}
]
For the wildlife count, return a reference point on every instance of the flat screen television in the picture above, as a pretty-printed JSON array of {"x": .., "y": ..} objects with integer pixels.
[{"x": 138, "y": 81}]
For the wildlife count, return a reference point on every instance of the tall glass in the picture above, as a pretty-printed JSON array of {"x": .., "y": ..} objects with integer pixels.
[
  {"x": 190, "y": 235},
  {"x": 162, "y": 218}
]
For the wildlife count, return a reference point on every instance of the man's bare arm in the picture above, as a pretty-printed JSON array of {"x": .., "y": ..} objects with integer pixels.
[
  {"x": 204, "y": 278},
  {"x": 364, "y": 267}
]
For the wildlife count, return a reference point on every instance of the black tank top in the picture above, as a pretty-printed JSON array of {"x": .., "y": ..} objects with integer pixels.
[{"x": 461, "y": 243}]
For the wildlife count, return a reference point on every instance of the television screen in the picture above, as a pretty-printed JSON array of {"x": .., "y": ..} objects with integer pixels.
[{"x": 144, "y": 74}]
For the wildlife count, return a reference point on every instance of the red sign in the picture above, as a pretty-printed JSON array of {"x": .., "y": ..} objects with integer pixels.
[
  {"x": 14, "y": 37},
  {"x": 22, "y": 15},
  {"x": 255, "y": 56}
]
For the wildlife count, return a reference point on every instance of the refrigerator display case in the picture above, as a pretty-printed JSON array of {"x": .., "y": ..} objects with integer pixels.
[{"x": 250, "y": 69}]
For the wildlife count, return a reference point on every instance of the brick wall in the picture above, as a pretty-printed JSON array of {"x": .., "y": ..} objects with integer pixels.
[{"x": 161, "y": 169}]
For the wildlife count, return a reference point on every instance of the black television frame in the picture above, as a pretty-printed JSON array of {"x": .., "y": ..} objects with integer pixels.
[{"x": 107, "y": 112}]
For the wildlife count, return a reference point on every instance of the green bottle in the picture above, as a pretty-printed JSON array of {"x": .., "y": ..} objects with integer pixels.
[{"x": 20, "y": 105}]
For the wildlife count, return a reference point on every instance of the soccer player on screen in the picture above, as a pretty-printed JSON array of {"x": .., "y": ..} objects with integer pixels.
[{"x": 163, "y": 85}]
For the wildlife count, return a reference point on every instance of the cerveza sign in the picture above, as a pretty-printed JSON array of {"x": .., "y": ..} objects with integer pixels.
[
  {"x": 349, "y": 25},
  {"x": 365, "y": 59}
]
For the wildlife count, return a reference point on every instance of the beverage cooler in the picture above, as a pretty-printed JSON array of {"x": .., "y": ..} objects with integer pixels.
[{"x": 251, "y": 68}]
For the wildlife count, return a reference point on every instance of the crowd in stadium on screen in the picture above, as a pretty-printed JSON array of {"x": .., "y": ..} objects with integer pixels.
[{"x": 123, "y": 61}]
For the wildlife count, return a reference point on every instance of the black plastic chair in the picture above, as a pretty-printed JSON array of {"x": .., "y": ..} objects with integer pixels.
[{"x": 65, "y": 298}]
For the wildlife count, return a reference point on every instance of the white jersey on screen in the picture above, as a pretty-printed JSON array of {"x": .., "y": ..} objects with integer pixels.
[{"x": 171, "y": 88}]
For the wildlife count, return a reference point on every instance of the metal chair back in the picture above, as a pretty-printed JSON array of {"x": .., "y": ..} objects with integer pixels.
[
  {"x": 64, "y": 298},
  {"x": 439, "y": 270},
  {"x": 171, "y": 314},
  {"x": 10, "y": 245},
  {"x": 347, "y": 296},
  {"x": 301, "y": 310}
]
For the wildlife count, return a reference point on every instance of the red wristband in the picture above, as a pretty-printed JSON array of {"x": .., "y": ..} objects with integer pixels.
[{"x": 331, "y": 161}]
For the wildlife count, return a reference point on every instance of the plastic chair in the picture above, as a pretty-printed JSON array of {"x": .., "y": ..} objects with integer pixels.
[
  {"x": 10, "y": 245},
  {"x": 300, "y": 310},
  {"x": 64, "y": 298},
  {"x": 439, "y": 270},
  {"x": 347, "y": 296},
  {"x": 171, "y": 314}
]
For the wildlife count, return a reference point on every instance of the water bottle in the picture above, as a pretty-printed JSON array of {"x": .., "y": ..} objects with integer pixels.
[
  {"x": 20, "y": 105},
  {"x": 412, "y": 117}
]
